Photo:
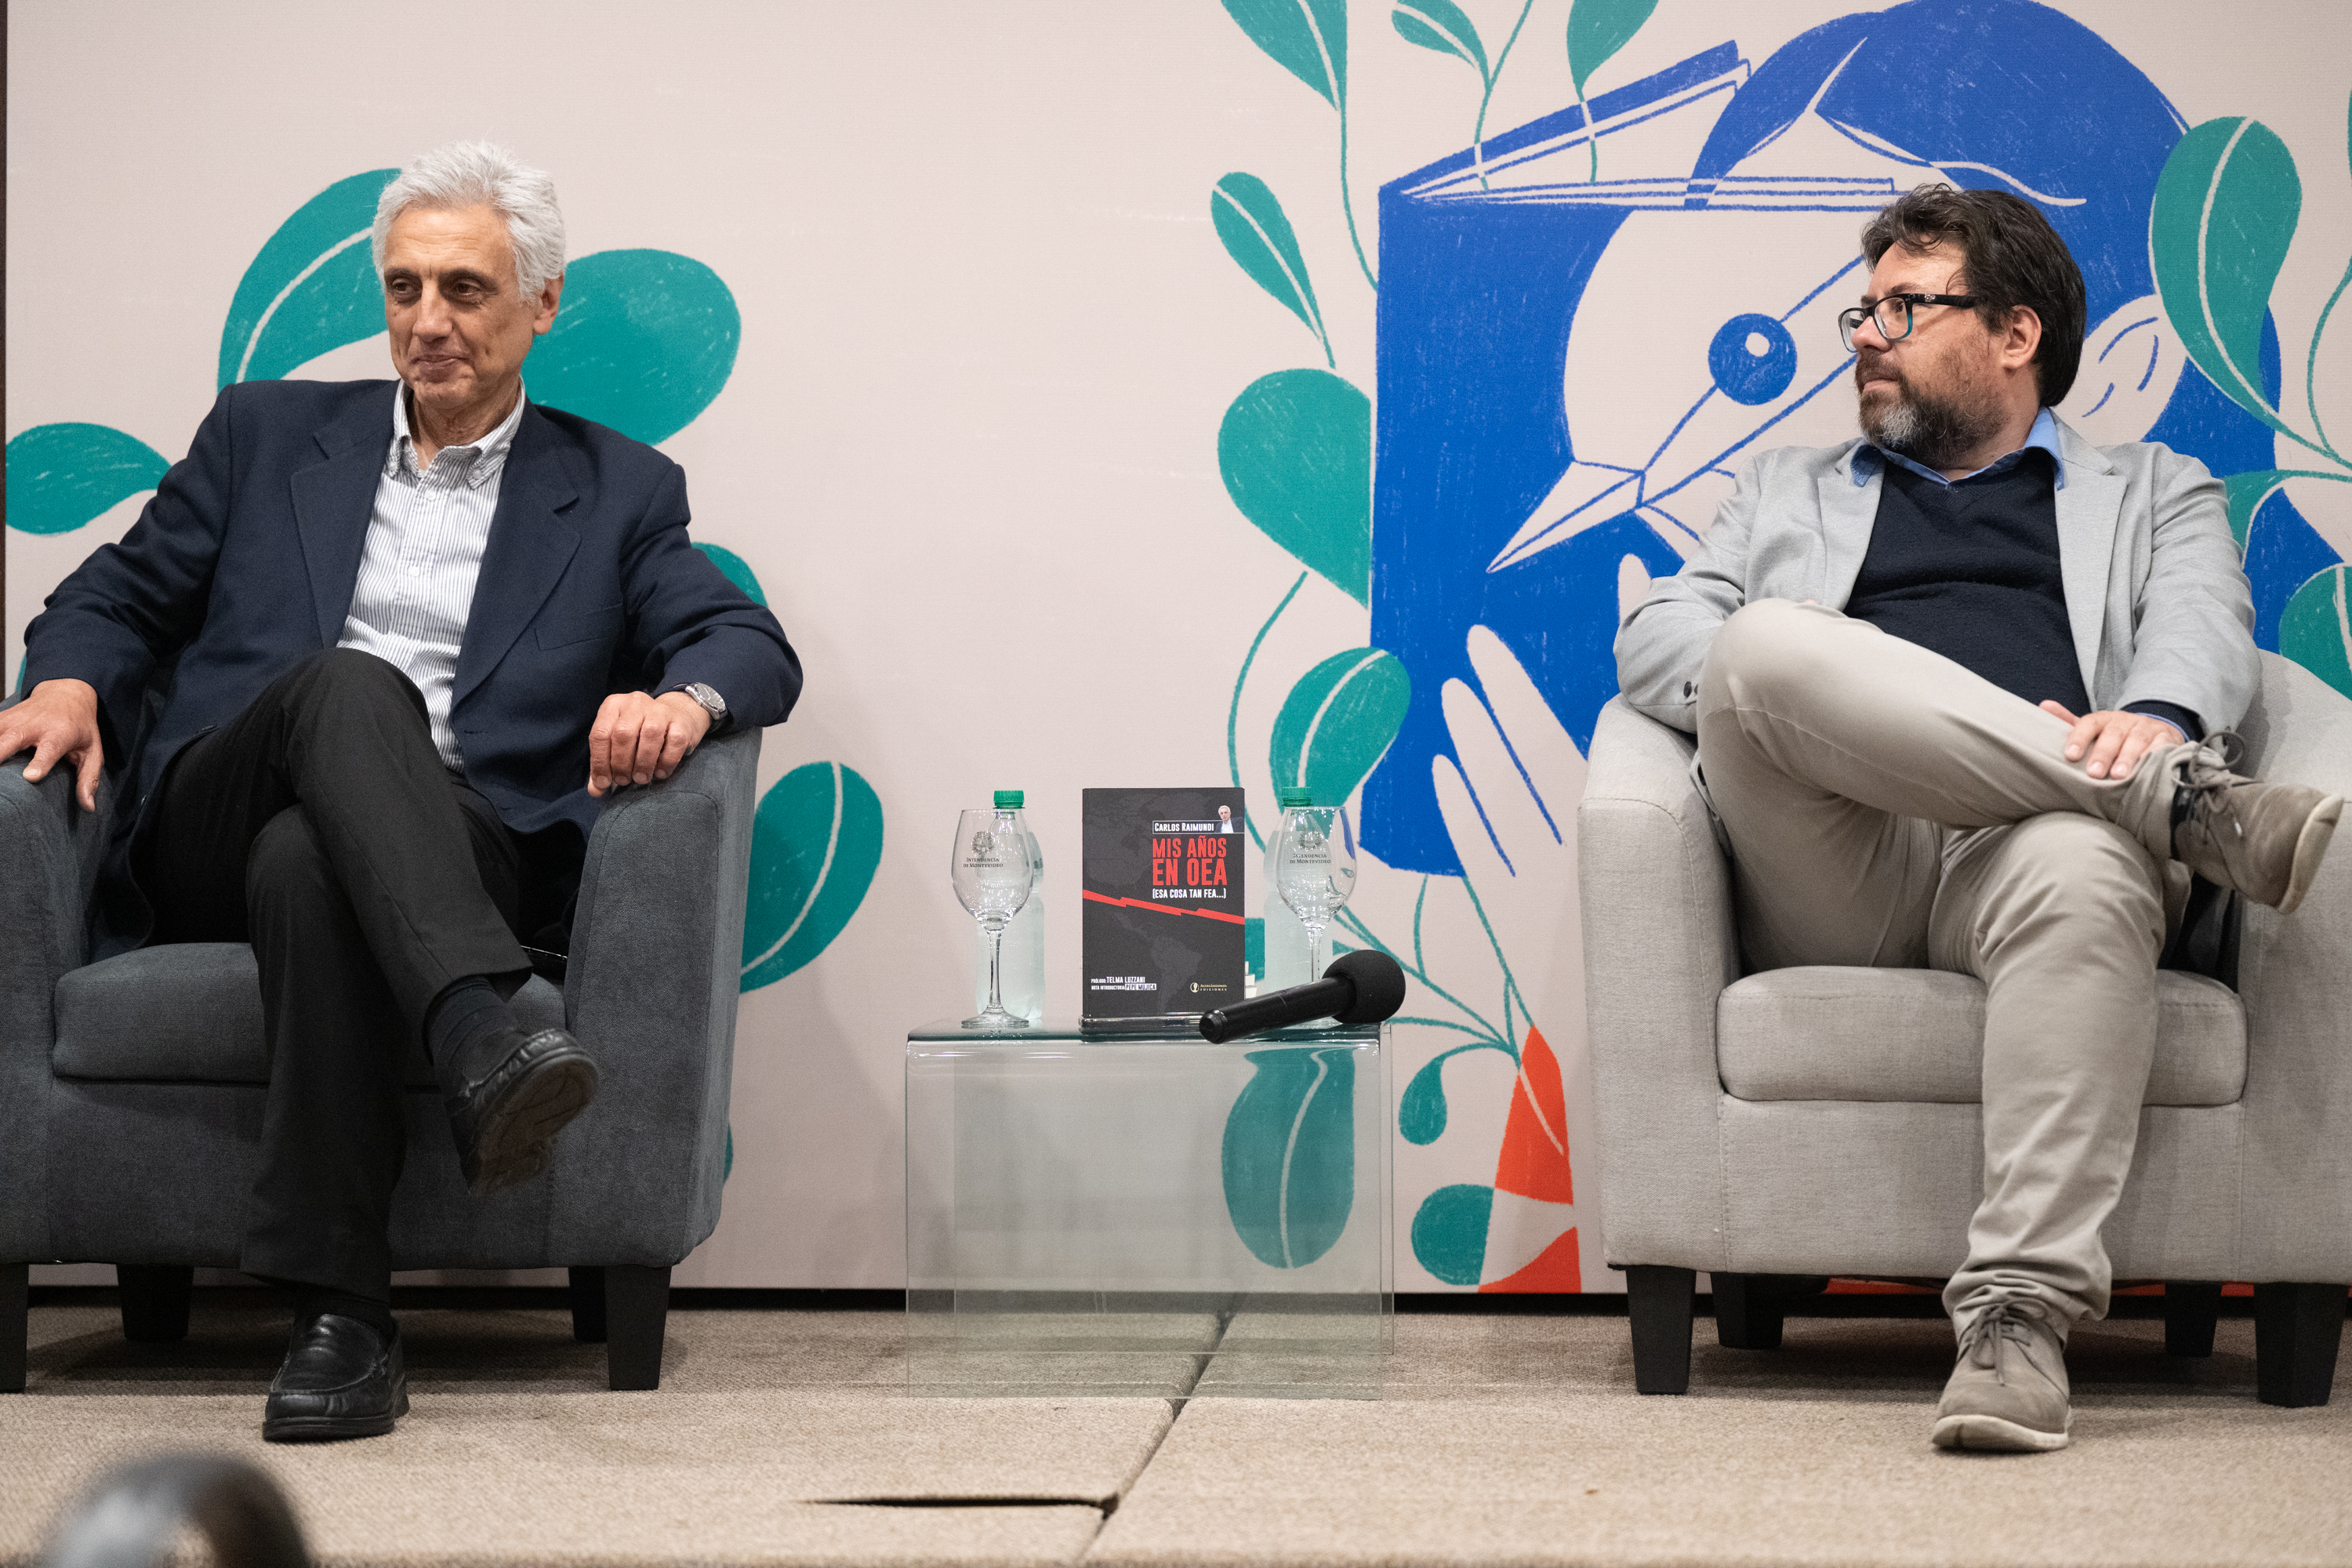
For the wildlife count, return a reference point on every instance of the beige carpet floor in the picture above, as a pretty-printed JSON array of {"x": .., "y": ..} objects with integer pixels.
[
  {"x": 1521, "y": 1441},
  {"x": 775, "y": 1438},
  {"x": 791, "y": 1438}
]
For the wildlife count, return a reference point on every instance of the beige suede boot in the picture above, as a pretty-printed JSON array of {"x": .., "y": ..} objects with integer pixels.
[
  {"x": 2009, "y": 1392},
  {"x": 2265, "y": 840}
]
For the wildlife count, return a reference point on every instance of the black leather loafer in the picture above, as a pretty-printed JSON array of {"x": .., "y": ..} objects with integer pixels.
[
  {"x": 508, "y": 1096},
  {"x": 339, "y": 1380}
]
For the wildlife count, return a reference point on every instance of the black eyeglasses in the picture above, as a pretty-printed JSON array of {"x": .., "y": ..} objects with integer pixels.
[{"x": 1893, "y": 315}]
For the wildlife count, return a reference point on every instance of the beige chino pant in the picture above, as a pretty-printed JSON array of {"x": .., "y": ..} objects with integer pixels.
[{"x": 1887, "y": 807}]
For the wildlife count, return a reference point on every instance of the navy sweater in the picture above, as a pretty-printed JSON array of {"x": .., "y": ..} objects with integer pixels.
[{"x": 1971, "y": 571}]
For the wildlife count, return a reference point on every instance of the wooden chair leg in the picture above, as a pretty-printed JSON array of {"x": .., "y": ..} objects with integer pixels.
[
  {"x": 2297, "y": 1327},
  {"x": 154, "y": 1301},
  {"x": 1747, "y": 1311},
  {"x": 15, "y": 1296},
  {"x": 636, "y": 1311},
  {"x": 1661, "y": 1303},
  {"x": 588, "y": 1305},
  {"x": 2191, "y": 1309}
]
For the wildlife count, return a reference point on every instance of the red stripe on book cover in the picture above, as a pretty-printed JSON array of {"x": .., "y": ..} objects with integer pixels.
[{"x": 1160, "y": 909}]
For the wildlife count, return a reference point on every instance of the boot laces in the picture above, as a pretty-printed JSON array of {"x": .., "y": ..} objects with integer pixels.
[
  {"x": 2206, "y": 776},
  {"x": 1984, "y": 1340}
]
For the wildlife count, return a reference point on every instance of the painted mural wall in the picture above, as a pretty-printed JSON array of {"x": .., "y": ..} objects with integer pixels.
[{"x": 1323, "y": 374}]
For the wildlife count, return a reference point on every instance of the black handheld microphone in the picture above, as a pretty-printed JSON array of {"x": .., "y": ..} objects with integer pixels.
[{"x": 1360, "y": 987}]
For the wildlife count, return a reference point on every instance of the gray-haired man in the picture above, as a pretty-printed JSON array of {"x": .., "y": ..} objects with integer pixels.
[
  {"x": 1949, "y": 682},
  {"x": 416, "y": 631}
]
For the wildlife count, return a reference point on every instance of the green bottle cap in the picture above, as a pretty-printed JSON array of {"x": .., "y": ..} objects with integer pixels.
[
  {"x": 1292, "y": 798},
  {"x": 1008, "y": 800}
]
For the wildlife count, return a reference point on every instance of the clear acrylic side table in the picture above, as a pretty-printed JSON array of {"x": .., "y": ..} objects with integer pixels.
[{"x": 1144, "y": 1213}]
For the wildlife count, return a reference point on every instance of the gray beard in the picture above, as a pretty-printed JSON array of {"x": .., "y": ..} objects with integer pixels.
[{"x": 1932, "y": 432}]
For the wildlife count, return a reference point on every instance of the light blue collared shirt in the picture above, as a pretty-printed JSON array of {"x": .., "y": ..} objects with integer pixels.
[
  {"x": 423, "y": 552},
  {"x": 2044, "y": 435}
]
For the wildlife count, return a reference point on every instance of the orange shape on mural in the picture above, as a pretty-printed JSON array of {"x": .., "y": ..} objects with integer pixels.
[
  {"x": 1534, "y": 1160},
  {"x": 1554, "y": 1269}
]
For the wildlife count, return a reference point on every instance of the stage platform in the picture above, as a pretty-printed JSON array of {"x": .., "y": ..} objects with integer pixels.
[{"x": 787, "y": 1437}]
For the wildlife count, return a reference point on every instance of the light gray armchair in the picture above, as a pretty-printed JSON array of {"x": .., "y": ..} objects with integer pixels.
[
  {"x": 131, "y": 1093},
  {"x": 1777, "y": 1128}
]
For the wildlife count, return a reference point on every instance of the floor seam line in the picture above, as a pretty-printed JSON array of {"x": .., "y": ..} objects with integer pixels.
[{"x": 1175, "y": 1414}]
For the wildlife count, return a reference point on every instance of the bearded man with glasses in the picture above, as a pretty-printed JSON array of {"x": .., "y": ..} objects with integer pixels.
[{"x": 1962, "y": 689}]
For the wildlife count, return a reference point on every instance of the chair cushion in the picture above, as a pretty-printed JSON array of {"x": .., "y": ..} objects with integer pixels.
[
  {"x": 1917, "y": 1034},
  {"x": 191, "y": 1012}
]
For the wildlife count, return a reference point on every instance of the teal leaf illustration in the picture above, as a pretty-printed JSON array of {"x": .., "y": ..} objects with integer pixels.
[
  {"x": 2319, "y": 327},
  {"x": 728, "y": 1169},
  {"x": 61, "y": 476},
  {"x": 1258, "y": 237},
  {"x": 816, "y": 841},
  {"x": 644, "y": 340},
  {"x": 738, "y": 571},
  {"x": 2315, "y": 630},
  {"x": 1290, "y": 1154},
  {"x": 2224, "y": 212},
  {"x": 1449, "y": 1232},
  {"x": 1338, "y": 721},
  {"x": 2245, "y": 494},
  {"x": 1309, "y": 39},
  {"x": 312, "y": 289},
  {"x": 1296, "y": 449},
  {"x": 1421, "y": 1110},
  {"x": 1597, "y": 29},
  {"x": 1254, "y": 946},
  {"x": 1420, "y": 1113},
  {"x": 1440, "y": 25}
]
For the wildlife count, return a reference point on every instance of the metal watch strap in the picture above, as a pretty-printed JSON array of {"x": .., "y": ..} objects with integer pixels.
[{"x": 708, "y": 700}]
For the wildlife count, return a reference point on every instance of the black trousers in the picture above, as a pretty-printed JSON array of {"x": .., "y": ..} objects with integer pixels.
[{"x": 321, "y": 825}]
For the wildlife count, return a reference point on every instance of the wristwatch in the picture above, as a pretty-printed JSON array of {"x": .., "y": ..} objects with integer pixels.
[{"x": 712, "y": 703}]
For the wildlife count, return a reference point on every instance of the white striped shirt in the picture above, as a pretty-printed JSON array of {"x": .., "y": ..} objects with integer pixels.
[{"x": 425, "y": 542}]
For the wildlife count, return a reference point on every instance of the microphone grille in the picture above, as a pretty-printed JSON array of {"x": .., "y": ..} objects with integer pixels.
[{"x": 1379, "y": 982}]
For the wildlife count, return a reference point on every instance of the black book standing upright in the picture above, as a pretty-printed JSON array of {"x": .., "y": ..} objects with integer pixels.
[{"x": 1164, "y": 924}]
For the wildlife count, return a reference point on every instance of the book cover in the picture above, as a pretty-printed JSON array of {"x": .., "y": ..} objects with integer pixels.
[{"x": 1163, "y": 923}]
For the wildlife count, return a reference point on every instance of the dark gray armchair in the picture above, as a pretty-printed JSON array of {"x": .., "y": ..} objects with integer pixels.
[{"x": 131, "y": 1093}]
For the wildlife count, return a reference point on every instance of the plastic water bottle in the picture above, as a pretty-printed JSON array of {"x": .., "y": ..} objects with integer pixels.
[
  {"x": 1024, "y": 977},
  {"x": 1286, "y": 939}
]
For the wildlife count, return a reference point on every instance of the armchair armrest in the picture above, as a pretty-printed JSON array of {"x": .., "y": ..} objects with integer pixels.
[
  {"x": 2294, "y": 976},
  {"x": 1659, "y": 947},
  {"x": 50, "y": 851},
  {"x": 657, "y": 955}
]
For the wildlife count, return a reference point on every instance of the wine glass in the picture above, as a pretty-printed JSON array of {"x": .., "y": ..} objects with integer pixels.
[
  {"x": 992, "y": 874},
  {"x": 1315, "y": 870}
]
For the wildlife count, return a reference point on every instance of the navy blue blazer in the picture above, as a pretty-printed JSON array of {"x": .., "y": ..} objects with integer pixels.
[{"x": 244, "y": 561}]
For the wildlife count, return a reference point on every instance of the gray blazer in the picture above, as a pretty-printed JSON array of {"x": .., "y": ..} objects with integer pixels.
[{"x": 2161, "y": 609}]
